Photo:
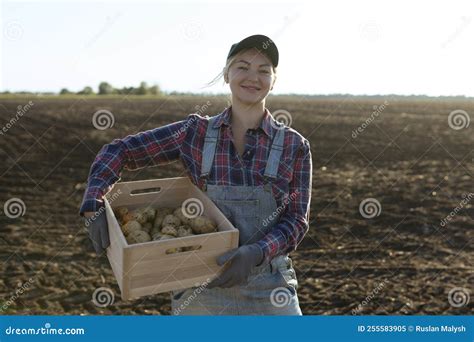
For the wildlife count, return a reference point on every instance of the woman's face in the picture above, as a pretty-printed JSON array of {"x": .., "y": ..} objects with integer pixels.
[{"x": 250, "y": 77}]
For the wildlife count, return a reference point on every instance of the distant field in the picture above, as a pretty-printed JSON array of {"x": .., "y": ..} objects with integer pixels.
[{"x": 408, "y": 158}]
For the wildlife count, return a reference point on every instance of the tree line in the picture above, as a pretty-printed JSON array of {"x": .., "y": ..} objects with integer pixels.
[{"x": 106, "y": 88}]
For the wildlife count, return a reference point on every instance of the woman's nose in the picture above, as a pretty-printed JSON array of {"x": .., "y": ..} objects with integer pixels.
[{"x": 252, "y": 75}]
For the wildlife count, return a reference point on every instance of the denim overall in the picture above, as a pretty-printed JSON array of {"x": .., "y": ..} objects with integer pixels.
[{"x": 271, "y": 287}]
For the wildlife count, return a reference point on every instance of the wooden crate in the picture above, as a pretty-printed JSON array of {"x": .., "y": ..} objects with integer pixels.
[{"x": 145, "y": 268}]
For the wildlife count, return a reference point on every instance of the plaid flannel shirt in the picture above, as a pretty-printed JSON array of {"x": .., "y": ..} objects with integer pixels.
[{"x": 184, "y": 140}]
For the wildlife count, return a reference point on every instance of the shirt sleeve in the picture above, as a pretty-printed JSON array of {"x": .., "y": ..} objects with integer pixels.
[
  {"x": 149, "y": 148},
  {"x": 288, "y": 232}
]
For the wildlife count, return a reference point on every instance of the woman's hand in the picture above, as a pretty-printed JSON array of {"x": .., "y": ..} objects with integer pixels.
[
  {"x": 242, "y": 261},
  {"x": 96, "y": 224}
]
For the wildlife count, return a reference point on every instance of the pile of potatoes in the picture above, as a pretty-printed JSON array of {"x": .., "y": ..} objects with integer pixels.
[{"x": 147, "y": 224}]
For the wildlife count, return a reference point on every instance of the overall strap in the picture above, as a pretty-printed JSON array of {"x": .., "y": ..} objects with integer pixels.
[
  {"x": 276, "y": 151},
  {"x": 209, "y": 148}
]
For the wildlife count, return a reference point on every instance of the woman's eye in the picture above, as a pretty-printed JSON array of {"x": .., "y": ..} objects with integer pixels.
[
  {"x": 265, "y": 71},
  {"x": 242, "y": 68}
]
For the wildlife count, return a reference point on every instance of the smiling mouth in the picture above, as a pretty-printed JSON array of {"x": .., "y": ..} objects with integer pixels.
[{"x": 250, "y": 88}]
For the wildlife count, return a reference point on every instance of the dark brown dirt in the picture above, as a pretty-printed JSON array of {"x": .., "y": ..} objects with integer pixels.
[{"x": 409, "y": 159}]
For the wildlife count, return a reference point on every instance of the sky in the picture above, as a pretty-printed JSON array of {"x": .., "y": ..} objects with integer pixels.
[{"x": 326, "y": 47}]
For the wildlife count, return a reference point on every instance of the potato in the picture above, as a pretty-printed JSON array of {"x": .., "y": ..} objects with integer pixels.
[
  {"x": 147, "y": 227},
  {"x": 160, "y": 215},
  {"x": 138, "y": 216},
  {"x": 138, "y": 236},
  {"x": 157, "y": 222},
  {"x": 131, "y": 226},
  {"x": 151, "y": 212},
  {"x": 155, "y": 231},
  {"x": 184, "y": 231},
  {"x": 165, "y": 237},
  {"x": 127, "y": 217},
  {"x": 156, "y": 235},
  {"x": 120, "y": 212},
  {"x": 171, "y": 220},
  {"x": 203, "y": 225},
  {"x": 179, "y": 213},
  {"x": 169, "y": 230},
  {"x": 144, "y": 215}
]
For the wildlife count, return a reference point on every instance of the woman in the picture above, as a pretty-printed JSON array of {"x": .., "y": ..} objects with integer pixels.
[{"x": 256, "y": 170}]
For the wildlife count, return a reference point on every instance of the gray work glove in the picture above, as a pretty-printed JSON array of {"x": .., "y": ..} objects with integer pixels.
[
  {"x": 242, "y": 261},
  {"x": 98, "y": 231}
]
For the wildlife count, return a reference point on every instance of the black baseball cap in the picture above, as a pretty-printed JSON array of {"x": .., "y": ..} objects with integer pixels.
[{"x": 264, "y": 44}]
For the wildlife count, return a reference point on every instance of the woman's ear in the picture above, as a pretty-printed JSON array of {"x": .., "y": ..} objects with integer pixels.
[
  {"x": 226, "y": 75},
  {"x": 273, "y": 83}
]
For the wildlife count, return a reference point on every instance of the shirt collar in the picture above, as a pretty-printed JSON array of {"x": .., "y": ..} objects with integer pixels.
[{"x": 267, "y": 125}]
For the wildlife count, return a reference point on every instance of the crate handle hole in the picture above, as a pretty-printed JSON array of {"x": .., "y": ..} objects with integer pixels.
[
  {"x": 145, "y": 191},
  {"x": 183, "y": 249}
]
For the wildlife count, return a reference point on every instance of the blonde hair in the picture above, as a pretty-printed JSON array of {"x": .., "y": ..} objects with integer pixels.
[{"x": 227, "y": 66}]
